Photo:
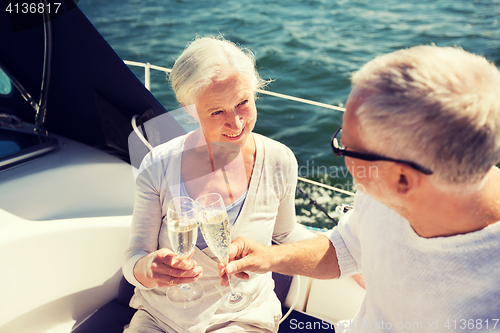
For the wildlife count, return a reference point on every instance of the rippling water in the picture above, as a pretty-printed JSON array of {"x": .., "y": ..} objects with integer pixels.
[{"x": 309, "y": 48}]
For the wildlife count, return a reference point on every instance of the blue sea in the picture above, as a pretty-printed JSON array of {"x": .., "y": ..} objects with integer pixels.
[{"x": 308, "y": 48}]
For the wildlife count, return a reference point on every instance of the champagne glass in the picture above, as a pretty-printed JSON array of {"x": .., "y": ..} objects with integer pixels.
[
  {"x": 214, "y": 225},
  {"x": 182, "y": 231}
]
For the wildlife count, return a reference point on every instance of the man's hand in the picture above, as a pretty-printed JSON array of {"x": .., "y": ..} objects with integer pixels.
[
  {"x": 245, "y": 255},
  {"x": 314, "y": 257}
]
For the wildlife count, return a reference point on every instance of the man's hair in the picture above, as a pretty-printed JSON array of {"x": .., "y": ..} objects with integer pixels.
[
  {"x": 207, "y": 60},
  {"x": 438, "y": 107}
]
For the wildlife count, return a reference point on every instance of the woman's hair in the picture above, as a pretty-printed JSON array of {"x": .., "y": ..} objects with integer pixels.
[
  {"x": 207, "y": 60},
  {"x": 438, "y": 107}
]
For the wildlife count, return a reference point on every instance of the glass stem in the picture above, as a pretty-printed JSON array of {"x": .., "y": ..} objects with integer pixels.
[
  {"x": 231, "y": 286},
  {"x": 184, "y": 287},
  {"x": 233, "y": 292}
]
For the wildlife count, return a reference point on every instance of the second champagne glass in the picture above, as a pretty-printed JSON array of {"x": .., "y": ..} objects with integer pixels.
[
  {"x": 214, "y": 225},
  {"x": 183, "y": 232}
]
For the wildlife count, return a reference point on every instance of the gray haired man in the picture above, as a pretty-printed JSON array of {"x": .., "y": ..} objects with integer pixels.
[{"x": 425, "y": 228}]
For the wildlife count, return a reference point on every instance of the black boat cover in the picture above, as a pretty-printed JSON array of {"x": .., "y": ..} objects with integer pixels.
[{"x": 92, "y": 95}]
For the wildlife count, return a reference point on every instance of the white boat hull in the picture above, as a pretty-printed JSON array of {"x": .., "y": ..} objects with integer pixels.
[{"x": 64, "y": 225}]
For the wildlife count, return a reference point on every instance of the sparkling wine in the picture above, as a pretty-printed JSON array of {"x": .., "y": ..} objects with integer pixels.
[
  {"x": 182, "y": 234},
  {"x": 214, "y": 225}
]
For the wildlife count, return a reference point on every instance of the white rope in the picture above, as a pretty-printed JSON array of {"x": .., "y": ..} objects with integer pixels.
[
  {"x": 301, "y": 100},
  {"x": 294, "y": 302},
  {"x": 326, "y": 186},
  {"x": 139, "y": 134}
]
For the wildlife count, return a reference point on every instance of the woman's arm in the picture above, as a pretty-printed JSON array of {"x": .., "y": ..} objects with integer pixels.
[{"x": 145, "y": 266}]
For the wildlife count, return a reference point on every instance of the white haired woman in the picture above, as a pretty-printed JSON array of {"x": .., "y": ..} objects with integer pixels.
[{"x": 255, "y": 175}]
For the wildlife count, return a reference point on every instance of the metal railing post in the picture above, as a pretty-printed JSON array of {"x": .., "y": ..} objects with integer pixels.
[{"x": 147, "y": 76}]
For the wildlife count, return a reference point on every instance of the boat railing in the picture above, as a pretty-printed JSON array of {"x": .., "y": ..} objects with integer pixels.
[{"x": 147, "y": 83}]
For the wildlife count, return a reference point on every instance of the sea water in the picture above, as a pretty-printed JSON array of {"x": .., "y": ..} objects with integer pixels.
[{"x": 308, "y": 48}]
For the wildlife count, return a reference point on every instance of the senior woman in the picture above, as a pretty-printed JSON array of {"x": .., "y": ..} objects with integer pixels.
[{"x": 255, "y": 175}]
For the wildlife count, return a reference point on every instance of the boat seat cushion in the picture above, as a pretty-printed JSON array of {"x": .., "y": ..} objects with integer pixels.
[
  {"x": 125, "y": 292},
  {"x": 301, "y": 322},
  {"x": 281, "y": 286},
  {"x": 110, "y": 318}
]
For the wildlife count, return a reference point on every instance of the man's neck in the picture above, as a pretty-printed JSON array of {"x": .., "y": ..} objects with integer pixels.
[{"x": 441, "y": 214}]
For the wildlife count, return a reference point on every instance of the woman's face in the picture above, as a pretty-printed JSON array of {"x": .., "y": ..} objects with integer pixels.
[{"x": 227, "y": 111}]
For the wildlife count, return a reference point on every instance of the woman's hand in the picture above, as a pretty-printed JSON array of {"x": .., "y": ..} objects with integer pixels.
[{"x": 164, "y": 269}]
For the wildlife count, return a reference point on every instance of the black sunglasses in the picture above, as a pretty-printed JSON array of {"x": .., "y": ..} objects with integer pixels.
[{"x": 339, "y": 150}]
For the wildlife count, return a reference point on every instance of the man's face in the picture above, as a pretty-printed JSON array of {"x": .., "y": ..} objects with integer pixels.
[{"x": 368, "y": 176}]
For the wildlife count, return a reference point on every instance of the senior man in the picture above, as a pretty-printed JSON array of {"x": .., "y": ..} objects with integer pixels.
[{"x": 421, "y": 137}]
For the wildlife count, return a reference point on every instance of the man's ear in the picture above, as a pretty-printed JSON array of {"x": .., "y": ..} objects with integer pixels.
[
  {"x": 403, "y": 184},
  {"x": 405, "y": 179}
]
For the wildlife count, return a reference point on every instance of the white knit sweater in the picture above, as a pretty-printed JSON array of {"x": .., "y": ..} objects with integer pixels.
[
  {"x": 268, "y": 213},
  {"x": 415, "y": 284}
]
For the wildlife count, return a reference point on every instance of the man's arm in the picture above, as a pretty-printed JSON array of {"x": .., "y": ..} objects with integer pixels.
[{"x": 313, "y": 257}]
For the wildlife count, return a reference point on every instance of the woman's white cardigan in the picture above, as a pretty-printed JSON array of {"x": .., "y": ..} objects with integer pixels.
[{"x": 268, "y": 213}]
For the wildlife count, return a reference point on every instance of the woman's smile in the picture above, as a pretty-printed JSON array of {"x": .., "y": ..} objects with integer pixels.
[{"x": 235, "y": 136}]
